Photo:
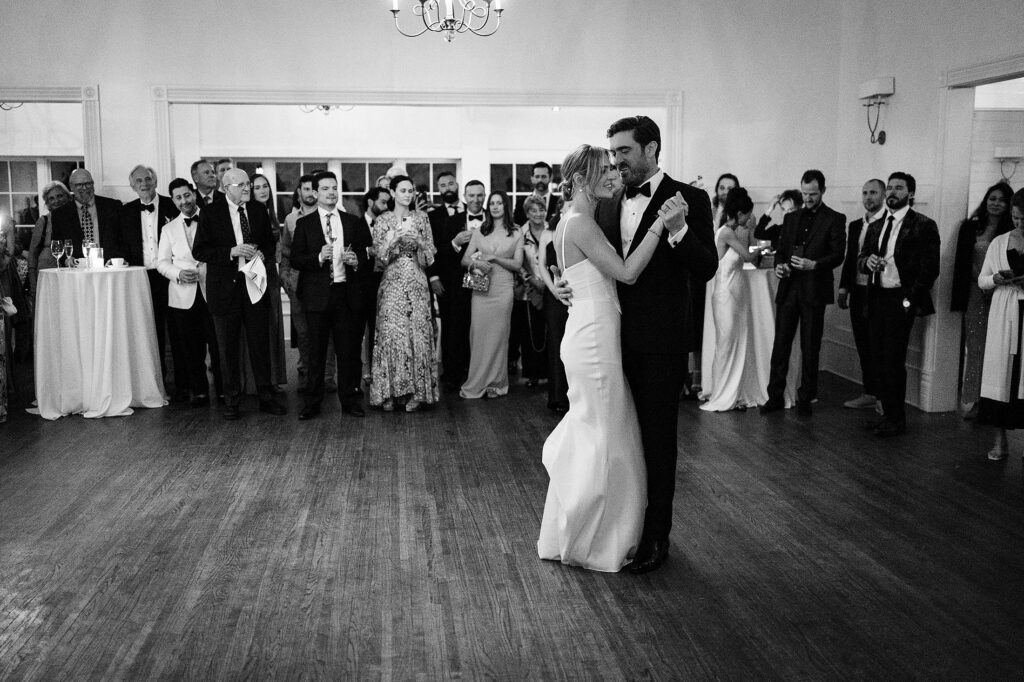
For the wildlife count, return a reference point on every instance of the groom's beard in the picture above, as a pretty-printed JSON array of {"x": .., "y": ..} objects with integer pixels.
[{"x": 632, "y": 176}]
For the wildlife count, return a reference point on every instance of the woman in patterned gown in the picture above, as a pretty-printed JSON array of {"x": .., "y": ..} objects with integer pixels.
[{"x": 403, "y": 366}]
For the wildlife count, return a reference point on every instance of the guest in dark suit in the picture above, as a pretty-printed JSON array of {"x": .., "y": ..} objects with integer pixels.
[
  {"x": 901, "y": 255},
  {"x": 448, "y": 207},
  {"x": 770, "y": 224},
  {"x": 541, "y": 181},
  {"x": 656, "y": 319},
  {"x": 231, "y": 233},
  {"x": 456, "y": 303},
  {"x": 204, "y": 176},
  {"x": 853, "y": 287},
  {"x": 812, "y": 243},
  {"x": 89, "y": 218},
  {"x": 378, "y": 201},
  {"x": 141, "y": 224},
  {"x": 329, "y": 249}
]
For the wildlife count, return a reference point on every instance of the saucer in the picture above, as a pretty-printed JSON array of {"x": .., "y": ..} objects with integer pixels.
[{"x": 117, "y": 267}]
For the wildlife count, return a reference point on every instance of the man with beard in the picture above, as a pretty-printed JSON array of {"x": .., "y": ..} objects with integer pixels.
[
  {"x": 901, "y": 258},
  {"x": 290, "y": 276},
  {"x": 204, "y": 175},
  {"x": 378, "y": 201},
  {"x": 541, "y": 182},
  {"x": 448, "y": 188},
  {"x": 186, "y": 300},
  {"x": 456, "y": 303},
  {"x": 656, "y": 316},
  {"x": 853, "y": 286}
]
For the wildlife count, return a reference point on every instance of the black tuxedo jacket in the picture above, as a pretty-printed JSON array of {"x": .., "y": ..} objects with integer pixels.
[
  {"x": 130, "y": 242},
  {"x": 825, "y": 244},
  {"x": 67, "y": 225},
  {"x": 916, "y": 254},
  {"x": 848, "y": 275},
  {"x": 215, "y": 237},
  {"x": 448, "y": 261},
  {"x": 439, "y": 218},
  {"x": 314, "y": 276},
  {"x": 656, "y": 309}
]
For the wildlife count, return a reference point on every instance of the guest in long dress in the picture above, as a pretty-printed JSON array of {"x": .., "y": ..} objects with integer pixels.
[
  {"x": 262, "y": 192},
  {"x": 1002, "y": 392},
  {"x": 403, "y": 367},
  {"x": 528, "y": 313},
  {"x": 556, "y": 314},
  {"x": 734, "y": 381},
  {"x": 496, "y": 250},
  {"x": 989, "y": 220},
  {"x": 55, "y": 195},
  {"x": 14, "y": 313}
]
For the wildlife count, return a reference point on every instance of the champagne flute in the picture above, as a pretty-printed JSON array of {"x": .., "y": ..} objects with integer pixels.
[
  {"x": 69, "y": 247},
  {"x": 56, "y": 248}
]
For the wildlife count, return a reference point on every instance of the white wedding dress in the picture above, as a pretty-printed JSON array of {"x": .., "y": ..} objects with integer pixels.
[{"x": 594, "y": 512}]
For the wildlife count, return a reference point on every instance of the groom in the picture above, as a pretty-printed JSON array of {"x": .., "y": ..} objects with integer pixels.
[{"x": 656, "y": 320}]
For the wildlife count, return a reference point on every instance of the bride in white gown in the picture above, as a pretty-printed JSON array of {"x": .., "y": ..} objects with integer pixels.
[
  {"x": 594, "y": 512},
  {"x": 735, "y": 383}
]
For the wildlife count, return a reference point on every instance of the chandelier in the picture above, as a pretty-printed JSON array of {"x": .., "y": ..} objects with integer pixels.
[{"x": 458, "y": 16}]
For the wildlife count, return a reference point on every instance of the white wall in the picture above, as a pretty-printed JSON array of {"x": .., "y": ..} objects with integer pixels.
[{"x": 994, "y": 128}]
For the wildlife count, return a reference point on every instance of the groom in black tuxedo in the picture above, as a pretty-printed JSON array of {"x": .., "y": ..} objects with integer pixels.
[{"x": 656, "y": 319}]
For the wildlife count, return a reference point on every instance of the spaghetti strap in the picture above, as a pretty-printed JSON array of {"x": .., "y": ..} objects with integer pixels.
[{"x": 564, "y": 230}]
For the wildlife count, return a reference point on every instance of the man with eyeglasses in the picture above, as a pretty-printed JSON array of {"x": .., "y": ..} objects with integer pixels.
[
  {"x": 232, "y": 233},
  {"x": 89, "y": 218}
]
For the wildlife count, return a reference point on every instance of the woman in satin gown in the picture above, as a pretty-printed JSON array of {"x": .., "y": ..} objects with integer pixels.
[
  {"x": 594, "y": 512},
  {"x": 734, "y": 382}
]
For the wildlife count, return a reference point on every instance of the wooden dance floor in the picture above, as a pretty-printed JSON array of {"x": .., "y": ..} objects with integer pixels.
[{"x": 174, "y": 545}]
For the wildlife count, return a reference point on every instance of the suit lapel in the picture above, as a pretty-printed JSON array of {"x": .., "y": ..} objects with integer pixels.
[{"x": 909, "y": 222}]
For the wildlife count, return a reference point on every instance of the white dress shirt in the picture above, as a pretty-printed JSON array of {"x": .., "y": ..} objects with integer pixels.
[
  {"x": 236, "y": 225},
  {"x": 863, "y": 279},
  {"x": 150, "y": 238},
  {"x": 890, "y": 277},
  {"x": 632, "y": 211},
  {"x": 335, "y": 235}
]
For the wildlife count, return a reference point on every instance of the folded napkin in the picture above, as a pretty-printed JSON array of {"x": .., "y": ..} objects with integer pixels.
[{"x": 255, "y": 278}]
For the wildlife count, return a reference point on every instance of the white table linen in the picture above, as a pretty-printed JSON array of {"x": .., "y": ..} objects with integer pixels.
[{"x": 96, "y": 347}]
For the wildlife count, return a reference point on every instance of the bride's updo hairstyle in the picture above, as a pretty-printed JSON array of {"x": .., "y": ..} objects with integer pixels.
[
  {"x": 736, "y": 202},
  {"x": 583, "y": 169}
]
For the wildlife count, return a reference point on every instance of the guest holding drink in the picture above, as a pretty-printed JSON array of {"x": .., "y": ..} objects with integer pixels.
[
  {"x": 262, "y": 193},
  {"x": 496, "y": 251}
]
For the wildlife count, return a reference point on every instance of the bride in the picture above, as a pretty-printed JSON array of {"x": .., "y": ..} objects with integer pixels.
[{"x": 594, "y": 512}]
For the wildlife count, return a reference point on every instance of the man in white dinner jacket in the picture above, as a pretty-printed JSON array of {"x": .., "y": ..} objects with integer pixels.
[{"x": 186, "y": 293}]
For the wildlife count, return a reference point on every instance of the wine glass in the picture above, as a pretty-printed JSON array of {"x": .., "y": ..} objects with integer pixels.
[
  {"x": 56, "y": 248},
  {"x": 69, "y": 246}
]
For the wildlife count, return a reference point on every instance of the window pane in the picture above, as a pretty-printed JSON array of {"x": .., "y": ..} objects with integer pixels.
[
  {"x": 377, "y": 170},
  {"x": 311, "y": 167},
  {"x": 5, "y": 208},
  {"x": 5, "y": 180},
  {"x": 420, "y": 174},
  {"x": 353, "y": 177},
  {"x": 26, "y": 208},
  {"x": 523, "y": 174},
  {"x": 501, "y": 177},
  {"x": 288, "y": 176},
  {"x": 353, "y": 205},
  {"x": 284, "y": 204},
  {"x": 248, "y": 166},
  {"x": 23, "y": 176},
  {"x": 61, "y": 170}
]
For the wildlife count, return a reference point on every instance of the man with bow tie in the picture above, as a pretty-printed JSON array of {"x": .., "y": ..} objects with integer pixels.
[
  {"x": 142, "y": 222},
  {"x": 448, "y": 207},
  {"x": 456, "y": 301},
  {"x": 186, "y": 294}
]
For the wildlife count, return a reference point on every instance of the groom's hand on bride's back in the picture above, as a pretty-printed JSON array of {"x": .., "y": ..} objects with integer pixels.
[{"x": 563, "y": 292}]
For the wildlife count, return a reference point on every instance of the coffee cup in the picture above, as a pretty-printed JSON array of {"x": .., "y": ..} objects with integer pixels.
[
  {"x": 115, "y": 263},
  {"x": 80, "y": 263}
]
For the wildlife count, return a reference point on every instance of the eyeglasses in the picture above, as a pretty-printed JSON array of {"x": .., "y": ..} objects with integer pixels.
[
  {"x": 239, "y": 184},
  {"x": 82, "y": 185}
]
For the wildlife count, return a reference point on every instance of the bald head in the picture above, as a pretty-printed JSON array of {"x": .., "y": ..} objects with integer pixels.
[
  {"x": 82, "y": 186},
  {"x": 236, "y": 185}
]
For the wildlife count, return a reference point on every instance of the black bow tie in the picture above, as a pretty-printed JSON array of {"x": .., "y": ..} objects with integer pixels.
[
  {"x": 191, "y": 221},
  {"x": 470, "y": 218},
  {"x": 148, "y": 208},
  {"x": 644, "y": 189}
]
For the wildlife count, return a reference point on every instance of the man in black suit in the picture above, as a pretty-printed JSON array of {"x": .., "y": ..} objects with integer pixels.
[
  {"x": 853, "y": 287},
  {"x": 141, "y": 224},
  {"x": 89, "y": 218},
  {"x": 231, "y": 233},
  {"x": 204, "y": 175},
  {"x": 812, "y": 243},
  {"x": 439, "y": 213},
  {"x": 656, "y": 319},
  {"x": 901, "y": 257},
  {"x": 329, "y": 249},
  {"x": 456, "y": 301},
  {"x": 541, "y": 181},
  {"x": 378, "y": 201}
]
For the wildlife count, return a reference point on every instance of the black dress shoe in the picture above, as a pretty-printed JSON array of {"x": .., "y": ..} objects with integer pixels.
[
  {"x": 773, "y": 405},
  {"x": 272, "y": 407},
  {"x": 354, "y": 410},
  {"x": 803, "y": 408},
  {"x": 200, "y": 401},
  {"x": 309, "y": 412},
  {"x": 887, "y": 428},
  {"x": 230, "y": 413},
  {"x": 649, "y": 556},
  {"x": 872, "y": 424}
]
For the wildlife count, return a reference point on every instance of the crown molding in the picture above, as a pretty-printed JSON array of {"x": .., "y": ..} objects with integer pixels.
[{"x": 989, "y": 72}]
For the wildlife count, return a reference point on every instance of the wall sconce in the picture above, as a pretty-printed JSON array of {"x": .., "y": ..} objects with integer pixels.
[
  {"x": 1009, "y": 154},
  {"x": 875, "y": 91}
]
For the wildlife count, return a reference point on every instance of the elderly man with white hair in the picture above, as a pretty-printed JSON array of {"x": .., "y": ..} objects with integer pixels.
[
  {"x": 89, "y": 218},
  {"x": 232, "y": 234}
]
